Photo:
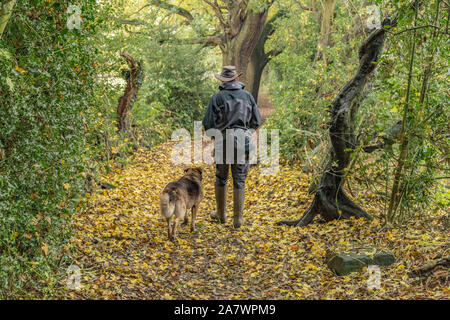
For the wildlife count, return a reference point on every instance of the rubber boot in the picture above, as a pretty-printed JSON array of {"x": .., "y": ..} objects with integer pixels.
[
  {"x": 221, "y": 203},
  {"x": 238, "y": 207}
]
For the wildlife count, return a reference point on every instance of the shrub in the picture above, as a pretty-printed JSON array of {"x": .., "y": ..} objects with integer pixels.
[{"x": 49, "y": 129}]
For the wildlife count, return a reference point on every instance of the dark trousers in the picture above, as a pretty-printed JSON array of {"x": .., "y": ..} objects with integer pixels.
[{"x": 238, "y": 171}]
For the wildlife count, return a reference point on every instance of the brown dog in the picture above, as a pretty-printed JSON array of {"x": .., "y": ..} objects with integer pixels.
[{"x": 180, "y": 196}]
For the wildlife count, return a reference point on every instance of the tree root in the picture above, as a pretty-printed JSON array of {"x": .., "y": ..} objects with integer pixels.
[
  {"x": 428, "y": 269},
  {"x": 436, "y": 273},
  {"x": 331, "y": 205}
]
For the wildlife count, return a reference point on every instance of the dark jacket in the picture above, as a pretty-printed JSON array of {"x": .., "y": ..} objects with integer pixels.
[{"x": 232, "y": 108}]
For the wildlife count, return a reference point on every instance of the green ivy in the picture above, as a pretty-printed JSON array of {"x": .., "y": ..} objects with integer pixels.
[{"x": 48, "y": 134}]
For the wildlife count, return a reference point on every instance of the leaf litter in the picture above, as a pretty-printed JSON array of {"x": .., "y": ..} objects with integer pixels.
[{"x": 120, "y": 243}]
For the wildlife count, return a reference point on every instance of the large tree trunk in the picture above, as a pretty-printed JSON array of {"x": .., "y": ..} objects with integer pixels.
[
  {"x": 239, "y": 31},
  {"x": 254, "y": 72},
  {"x": 260, "y": 57},
  {"x": 134, "y": 81},
  {"x": 5, "y": 14},
  {"x": 330, "y": 200},
  {"x": 326, "y": 22},
  {"x": 238, "y": 50}
]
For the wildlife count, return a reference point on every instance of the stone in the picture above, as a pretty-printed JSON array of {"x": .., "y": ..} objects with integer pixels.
[
  {"x": 383, "y": 258},
  {"x": 348, "y": 262}
]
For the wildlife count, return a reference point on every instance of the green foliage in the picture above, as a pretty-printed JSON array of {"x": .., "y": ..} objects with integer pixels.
[
  {"x": 301, "y": 88},
  {"x": 177, "y": 83},
  {"x": 176, "y": 91},
  {"x": 48, "y": 120},
  {"x": 426, "y": 165}
]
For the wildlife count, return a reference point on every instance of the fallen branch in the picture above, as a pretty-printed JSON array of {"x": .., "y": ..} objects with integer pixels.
[
  {"x": 418, "y": 27},
  {"x": 427, "y": 269}
]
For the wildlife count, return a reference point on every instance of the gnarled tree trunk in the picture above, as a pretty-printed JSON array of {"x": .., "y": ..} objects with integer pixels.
[
  {"x": 330, "y": 200},
  {"x": 134, "y": 81}
]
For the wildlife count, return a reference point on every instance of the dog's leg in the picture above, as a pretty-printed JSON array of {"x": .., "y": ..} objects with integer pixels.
[
  {"x": 175, "y": 228},
  {"x": 194, "y": 214},
  {"x": 186, "y": 220},
  {"x": 180, "y": 214},
  {"x": 169, "y": 229}
]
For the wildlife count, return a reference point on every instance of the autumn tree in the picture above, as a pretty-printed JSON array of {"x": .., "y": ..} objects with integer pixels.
[
  {"x": 428, "y": 33},
  {"x": 323, "y": 11},
  {"x": 240, "y": 31},
  {"x": 326, "y": 22}
]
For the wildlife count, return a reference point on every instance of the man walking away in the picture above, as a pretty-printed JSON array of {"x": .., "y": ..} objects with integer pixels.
[{"x": 231, "y": 108}]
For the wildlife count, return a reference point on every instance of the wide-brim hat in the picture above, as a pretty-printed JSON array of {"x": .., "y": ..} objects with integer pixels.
[{"x": 228, "y": 74}]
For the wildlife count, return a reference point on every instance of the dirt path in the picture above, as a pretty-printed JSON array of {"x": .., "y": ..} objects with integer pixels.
[
  {"x": 121, "y": 243},
  {"x": 265, "y": 106}
]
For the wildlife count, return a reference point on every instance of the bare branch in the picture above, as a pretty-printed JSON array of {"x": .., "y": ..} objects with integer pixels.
[
  {"x": 217, "y": 12},
  {"x": 134, "y": 22},
  {"x": 269, "y": 29},
  {"x": 208, "y": 41},
  {"x": 174, "y": 9},
  {"x": 242, "y": 5},
  {"x": 135, "y": 32},
  {"x": 418, "y": 27},
  {"x": 146, "y": 6},
  {"x": 304, "y": 7},
  {"x": 273, "y": 53}
]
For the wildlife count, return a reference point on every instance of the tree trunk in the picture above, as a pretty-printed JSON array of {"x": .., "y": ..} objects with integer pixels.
[
  {"x": 241, "y": 29},
  {"x": 5, "y": 14},
  {"x": 134, "y": 80},
  {"x": 260, "y": 58},
  {"x": 238, "y": 50},
  {"x": 326, "y": 23},
  {"x": 254, "y": 73},
  {"x": 330, "y": 200}
]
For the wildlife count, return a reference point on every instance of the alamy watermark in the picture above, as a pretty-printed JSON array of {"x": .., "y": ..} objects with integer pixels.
[
  {"x": 73, "y": 281},
  {"x": 374, "y": 279},
  {"x": 374, "y": 20},
  {"x": 232, "y": 146},
  {"x": 74, "y": 20}
]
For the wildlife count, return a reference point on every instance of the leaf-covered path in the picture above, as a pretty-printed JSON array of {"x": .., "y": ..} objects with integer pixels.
[{"x": 121, "y": 244}]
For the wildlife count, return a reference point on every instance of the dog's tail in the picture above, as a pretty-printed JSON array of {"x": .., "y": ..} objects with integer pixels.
[{"x": 167, "y": 203}]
